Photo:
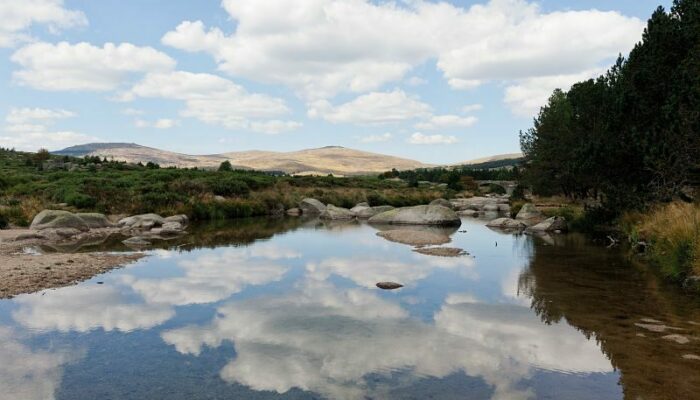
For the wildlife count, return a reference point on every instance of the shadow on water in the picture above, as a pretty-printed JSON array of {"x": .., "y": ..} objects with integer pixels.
[{"x": 598, "y": 292}]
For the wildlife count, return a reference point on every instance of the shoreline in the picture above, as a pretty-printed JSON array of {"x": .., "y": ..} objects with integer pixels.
[{"x": 22, "y": 272}]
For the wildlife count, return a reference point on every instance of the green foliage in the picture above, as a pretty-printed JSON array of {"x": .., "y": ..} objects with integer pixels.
[
  {"x": 229, "y": 186},
  {"x": 226, "y": 166},
  {"x": 629, "y": 137},
  {"x": 80, "y": 200}
]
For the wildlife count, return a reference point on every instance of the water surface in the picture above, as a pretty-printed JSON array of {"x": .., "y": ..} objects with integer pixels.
[{"x": 270, "y": 309}]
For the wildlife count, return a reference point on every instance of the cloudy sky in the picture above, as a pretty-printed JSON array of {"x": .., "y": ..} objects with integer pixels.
[{"x": 434, "y": 81}]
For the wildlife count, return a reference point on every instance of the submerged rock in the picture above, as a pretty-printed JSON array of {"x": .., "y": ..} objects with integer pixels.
[
  {"x": 57, "y": 219},
  {"x": 335, "y": 213},
  {"x": 389, "y": 285},
  {"x": 418, "y": 215},
  {"x": 311, "y": 206},
  {"x": 414, "y": 237},
  {"x": 441, "y": 251},
  {"x": 506, "y": 223}
]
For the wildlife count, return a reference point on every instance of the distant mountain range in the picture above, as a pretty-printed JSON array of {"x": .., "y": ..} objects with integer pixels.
[{"x": 325, "y": 160}]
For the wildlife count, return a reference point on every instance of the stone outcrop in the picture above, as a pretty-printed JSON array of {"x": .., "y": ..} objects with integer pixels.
[
  {"x": 311, "y": 206},
  {"x": 143, "y": 221},
  {"x": 418, "y": 215},
  {"x": 507, "y": 224},
  {"x": 336, "y": 213},
  {"x": 56, "y": 219},
  {"x": 552, "y": 224}
]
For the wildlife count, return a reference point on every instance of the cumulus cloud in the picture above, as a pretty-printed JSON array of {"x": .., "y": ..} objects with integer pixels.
[
  {"x": 446, "y": 122},
  {"x": 419, "y": 138},
  {"x": 325, "y": 47},
  {"x": 385, "y": 137},
  {"x": 373, "y": 108},
  {"x": 32, "y": 128},
  {"x": 83, "y": 66},
  {"x": 161, "y": 123},
  {"x": 16, "y": 17},
  {"x": 214, "y": 100}
]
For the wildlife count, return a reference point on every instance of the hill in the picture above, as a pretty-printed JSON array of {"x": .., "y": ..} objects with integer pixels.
[{"x": 325, "y": 160}]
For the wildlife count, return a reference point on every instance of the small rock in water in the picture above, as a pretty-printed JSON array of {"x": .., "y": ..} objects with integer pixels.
[
  {"x": 657, "y": 328},
  {"x": 651, "y": 321},
  {"x": 691, "y": 357},
  {"x": 389, "y": 285},
  {"x": 680, "y": 339},
  {"x": 441, "y": 251}
]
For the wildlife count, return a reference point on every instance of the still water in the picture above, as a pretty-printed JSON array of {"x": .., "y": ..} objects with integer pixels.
[{"x": 267, "y": 309}]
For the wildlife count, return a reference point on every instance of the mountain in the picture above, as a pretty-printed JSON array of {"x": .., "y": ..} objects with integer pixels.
[
  {"x": 499, "y": 157},
  {"x": 325, "y": 160}
]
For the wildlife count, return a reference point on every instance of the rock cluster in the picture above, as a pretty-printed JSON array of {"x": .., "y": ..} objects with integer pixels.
[{"x": 313, "y": 207}]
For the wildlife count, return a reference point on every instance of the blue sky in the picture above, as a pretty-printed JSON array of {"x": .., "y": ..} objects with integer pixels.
[{"x": 435, "y": 81}]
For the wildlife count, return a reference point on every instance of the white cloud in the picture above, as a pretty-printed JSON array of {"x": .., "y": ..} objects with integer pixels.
[
  {"x": 472, "y": 108},
  {"x": 416, "y": 81},
  {"x": 324, "y": 47},
  {"x": 82, "y": 66},
  {"x": 17, "y": 16},
  {"x": 446, "y": 122},
  {"x": 385, "y": 137},
  {"x": 215, "y": 100},
  {"x": 419, "y": 138},
  {"x": 162, "y": 123},
  {"x": 31, "y": 128},
  {"x": 132, "y": 111},
  {"x": 525, "y": 97},
  {"x": 373, "y": 108}
]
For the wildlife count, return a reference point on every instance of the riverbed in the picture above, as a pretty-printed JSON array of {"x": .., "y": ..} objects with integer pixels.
[{"x": 289, "y": 309}]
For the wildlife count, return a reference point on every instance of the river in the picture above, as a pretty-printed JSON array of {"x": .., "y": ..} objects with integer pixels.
[{"x": 288, "y": 309}]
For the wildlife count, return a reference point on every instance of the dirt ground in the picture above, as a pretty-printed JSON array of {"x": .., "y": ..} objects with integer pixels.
[{"x": 23, "y": 272}]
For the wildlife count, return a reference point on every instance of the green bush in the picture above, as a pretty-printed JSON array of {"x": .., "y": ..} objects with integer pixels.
[
  {"x": 80, "y": 200},
  {"x": 229, "y": 186}
]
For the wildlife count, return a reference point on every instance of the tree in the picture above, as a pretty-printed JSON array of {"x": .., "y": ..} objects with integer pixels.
[{"x": 225, "y": 166}]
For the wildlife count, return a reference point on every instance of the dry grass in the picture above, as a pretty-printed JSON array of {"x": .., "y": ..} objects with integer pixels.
[{"x": 673, "y": 233}]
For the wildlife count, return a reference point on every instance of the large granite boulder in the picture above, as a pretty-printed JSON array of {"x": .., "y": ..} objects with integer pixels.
[
  {"x": 418, "y": 215},
  {"x": 180, "y": 218},
  {"x": 143, "y": 221},
  {"x": 552, "y": 224},
  {"x": 57, "y": 219},
  {"x": 441, "y": 202},
  {"x": 359, "y": 208},
  {"x": 336, "y": 213},
  {"x": 507, "y": 224},
  {"x": 95, "y": 220},
  {"x": 370, "y": 212},
  {"x": 529, "y": 213},
  {"x": 311, "y": 206}
]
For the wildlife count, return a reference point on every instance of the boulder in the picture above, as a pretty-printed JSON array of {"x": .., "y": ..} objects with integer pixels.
[
  {"x": 333, "y": 212},
  {"x": 359, "y": 208},
  {"x": 95, "y": 220},
  {"x": 550, "y": 225},
  {"x": 372, "y": 211},
  {"x": 311, "y": 206},
  {"x": 414, "y": 238},
  {"x": 490, "y": 208},
  {"x": 441, "y": 202},
  {"x": 507, "y": 223},
  {"x": 362, "y": 204},
  {"x": 66, "y": 233},
  {"x": 468, "y": 213},
  {"x": 143, "y": 221},
  {"x": 55, "y": 219},
  {"x": 389, "y": 285},
  {"x": 171, "y": 228},
  {"x": 294, "y": 212},
  {"x": 529, "y": 213},
  {"x": 418, "y": 215},
  {"x": 181, "y": 218}
]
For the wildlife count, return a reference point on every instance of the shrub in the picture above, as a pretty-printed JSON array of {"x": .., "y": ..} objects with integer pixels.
[
  {"x": 80, "y": 200},
  {"x": 229, "y": 186}
]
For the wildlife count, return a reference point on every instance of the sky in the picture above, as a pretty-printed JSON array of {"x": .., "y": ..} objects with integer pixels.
[{"x": 438, "y": 82}]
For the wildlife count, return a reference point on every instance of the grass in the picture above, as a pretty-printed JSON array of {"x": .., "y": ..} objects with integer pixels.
[{"x": 672, "y": 233}]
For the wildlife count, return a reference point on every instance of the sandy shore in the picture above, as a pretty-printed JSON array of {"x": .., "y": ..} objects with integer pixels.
[{"x": 26, "y": 273}]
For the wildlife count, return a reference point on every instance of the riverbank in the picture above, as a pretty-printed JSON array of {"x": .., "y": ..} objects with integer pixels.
[{"x": 23, "y": 271}]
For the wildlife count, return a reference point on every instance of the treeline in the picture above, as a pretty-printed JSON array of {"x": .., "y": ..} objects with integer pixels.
[
  {"x": 457, "y": 178},
  {"x": 631, "y": 137}
]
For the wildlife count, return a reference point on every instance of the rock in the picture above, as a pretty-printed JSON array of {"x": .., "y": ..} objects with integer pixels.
[
  {"x": 219, "y": 199},
  {"x": 66, "y": 232},
  {"x": 294, "y": 212},
  {"x": 441, "y": 202},
  {"x": 529, "y": 213},
  {"x": 362, "y": 204},
  {"x": 418, "y": 215},
  {"x": 372, "y": 211},
  {"x": 441, "y": 251},
  {"x": 143, "y": 221},
  {"x": 55, "y": 219},
  {"x": 171, "y": 228},
  {"x": 414, "y": 238},
  {"x": 333, "y": 212},
  {"x": 389, "y": 285},
  {"x": 95, "y": 220},
  {"x": 656, "y": 328},
  {"x": 506, "y": 223},
  {"x": 30, "y": 236},
  {"x": 691, "y": 357},
  {"x": 359, "y": 208},
  {"x": 136, "y": 241},
  {"x": 552, "y": 224},
  {"x": 310, "y": 206},
  {"x": 181, "y": 218},
  {"x": 468, "y": 213},
  {"x": 680, "y": 339},
  {"x": 473, "y": 203},
  {"x": 490, "y": 208}
]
